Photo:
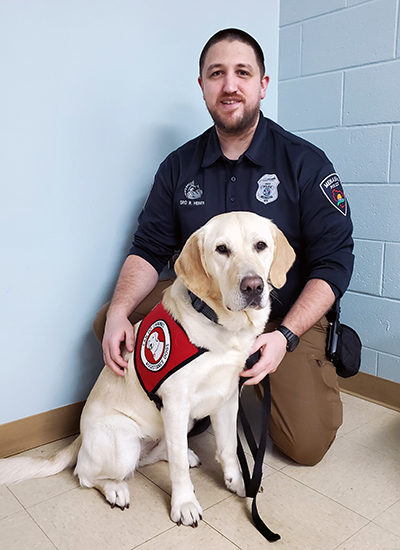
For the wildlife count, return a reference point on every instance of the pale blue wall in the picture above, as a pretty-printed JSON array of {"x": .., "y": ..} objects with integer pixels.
[
  {"x": 93, "y": 95},
  {"x": 340, "y": 88}
]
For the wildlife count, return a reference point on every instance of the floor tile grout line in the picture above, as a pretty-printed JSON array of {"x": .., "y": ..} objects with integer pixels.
[
  {"x": 26, "y": 508},
  {"x": 154, "y": 537},
  {"x": 222, "y": 535},
  {"x": 328, "y": 497},
  {"x": 353, "y": 535},
  {"x": 374, "y": 450},
  {"x": 385, "y": 528},
  {"x": 152, "y": 481},
  {"x": 41, "y": 529}
]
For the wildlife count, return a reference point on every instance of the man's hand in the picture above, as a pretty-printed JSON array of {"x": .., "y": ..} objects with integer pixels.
[
  {"x": 273, "y": 349},
  {"x": 118, "y": 330}
]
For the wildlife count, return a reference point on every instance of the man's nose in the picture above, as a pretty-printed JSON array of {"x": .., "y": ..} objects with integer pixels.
[{"x": 230, "y": 83}]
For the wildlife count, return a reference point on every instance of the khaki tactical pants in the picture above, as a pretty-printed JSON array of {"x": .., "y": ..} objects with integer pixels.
[{"x": 306, "y": 410}]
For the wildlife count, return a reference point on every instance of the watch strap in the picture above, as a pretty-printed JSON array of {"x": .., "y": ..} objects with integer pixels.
[{"x": 292, "y": 339}]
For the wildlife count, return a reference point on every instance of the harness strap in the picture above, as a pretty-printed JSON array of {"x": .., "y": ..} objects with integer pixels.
[{"x": 253, "y": 482}]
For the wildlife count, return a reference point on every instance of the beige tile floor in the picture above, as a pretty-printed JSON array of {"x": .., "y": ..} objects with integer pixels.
[{"x": 350, "y": 501}]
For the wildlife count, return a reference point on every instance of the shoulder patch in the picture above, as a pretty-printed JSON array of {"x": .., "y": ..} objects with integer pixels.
[{"x": 333, "y": 191}]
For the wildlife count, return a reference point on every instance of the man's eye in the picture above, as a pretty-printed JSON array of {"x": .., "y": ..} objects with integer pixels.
[
  {"x": 261, "y": 245},
  {"x": 222, "y": 249}
]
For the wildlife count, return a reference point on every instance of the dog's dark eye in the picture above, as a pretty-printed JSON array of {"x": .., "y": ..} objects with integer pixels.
[
  {"x": 222, "y": 249},
  {"x": 261, "y": 246}
]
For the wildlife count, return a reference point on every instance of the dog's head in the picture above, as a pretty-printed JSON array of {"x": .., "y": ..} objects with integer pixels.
[{"x": 233, "y": 257}]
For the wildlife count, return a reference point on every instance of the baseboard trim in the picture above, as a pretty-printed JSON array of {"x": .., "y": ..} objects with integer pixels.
[
  {"x": 43, "y": 428},
  {"x": 378, "y": 390},
  {"x": 39, "y": 429}
]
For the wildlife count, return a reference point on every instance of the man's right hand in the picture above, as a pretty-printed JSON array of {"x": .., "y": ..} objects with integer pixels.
[{"x": 118, "y": 330}]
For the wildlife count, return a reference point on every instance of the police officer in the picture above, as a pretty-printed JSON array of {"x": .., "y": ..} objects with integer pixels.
[{"x": 247, "y": 162}]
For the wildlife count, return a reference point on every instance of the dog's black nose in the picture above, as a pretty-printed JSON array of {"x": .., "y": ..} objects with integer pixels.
[{"x": 252, "y": 285}]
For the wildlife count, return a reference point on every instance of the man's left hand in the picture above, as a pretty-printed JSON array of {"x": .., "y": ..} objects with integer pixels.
[{"x": 273, "y": 349}]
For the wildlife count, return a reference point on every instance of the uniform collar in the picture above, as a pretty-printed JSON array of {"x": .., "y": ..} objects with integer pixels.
[{"x": 255, "y": 153}]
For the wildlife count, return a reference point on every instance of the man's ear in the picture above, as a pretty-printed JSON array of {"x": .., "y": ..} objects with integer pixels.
[
  {"x": 190, "y": 265},
  {"x": 284, "y": 257},
  {"x": 201, "y": 85}
]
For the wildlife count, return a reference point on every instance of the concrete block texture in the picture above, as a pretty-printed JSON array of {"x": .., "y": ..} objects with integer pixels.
[
  {"x": 395, "y": 156},
  {"x": 375, "y": 211},
  {"x": 295, "y": 10},
  {"x": 371, "y": 94},
  {"x": 312, "y": 102},
  {"x": 368, "y": 264},
  {"x": 289, "y": 52},
  {"x": 369, "y": 361},
  {"x": 348, "y": 38},
  {"x": 375, "y": 319},
  {"x": 389, "y": 367},
  {"x": 391, "y": 274},
  {"x": 359, "y": 154}
]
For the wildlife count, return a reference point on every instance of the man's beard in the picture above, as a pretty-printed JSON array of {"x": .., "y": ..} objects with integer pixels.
[{"x": 238, "y": 126}]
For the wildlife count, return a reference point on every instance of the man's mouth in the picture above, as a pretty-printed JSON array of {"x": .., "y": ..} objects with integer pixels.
[{"x": 230, "y": 101}]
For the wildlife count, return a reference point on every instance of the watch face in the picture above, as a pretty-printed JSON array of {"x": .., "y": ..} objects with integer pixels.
[{"x": 292, "y": 339}]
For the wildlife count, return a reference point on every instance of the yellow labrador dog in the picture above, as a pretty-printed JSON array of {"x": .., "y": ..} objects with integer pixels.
[{"x": 230, "y": 264}]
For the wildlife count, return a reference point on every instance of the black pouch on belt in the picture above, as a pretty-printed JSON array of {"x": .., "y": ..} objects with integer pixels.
[{"x": 343, "y": 345}]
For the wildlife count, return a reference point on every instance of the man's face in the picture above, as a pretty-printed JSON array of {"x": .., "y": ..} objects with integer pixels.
[{"x": 232, "y": 86}]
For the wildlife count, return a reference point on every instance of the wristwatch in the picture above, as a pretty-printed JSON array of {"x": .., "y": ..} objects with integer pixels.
[{"x": 292, "y": 339}]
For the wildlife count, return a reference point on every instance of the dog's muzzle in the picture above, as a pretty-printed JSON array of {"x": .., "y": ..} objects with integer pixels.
[{"x": 252, "y": 289}]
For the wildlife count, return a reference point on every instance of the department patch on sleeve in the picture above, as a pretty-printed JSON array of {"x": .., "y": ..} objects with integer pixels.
[{"x": 333, "y": 191}]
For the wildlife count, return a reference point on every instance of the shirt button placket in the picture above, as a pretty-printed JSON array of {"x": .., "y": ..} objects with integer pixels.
[{"x": 232, "y": 198}]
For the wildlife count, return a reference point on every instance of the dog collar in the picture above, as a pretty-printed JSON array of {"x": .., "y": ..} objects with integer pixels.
[{"x": 200, "y": 306}]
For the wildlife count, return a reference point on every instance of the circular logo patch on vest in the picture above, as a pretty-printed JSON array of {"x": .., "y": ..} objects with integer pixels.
[{"x": 156, "y": 346}]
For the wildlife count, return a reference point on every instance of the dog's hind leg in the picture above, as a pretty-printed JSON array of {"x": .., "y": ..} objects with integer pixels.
[
  {"x": 225, "y": 429},
  {"x": 110, "y": 454},
  {"x": 154, "y": 451}
]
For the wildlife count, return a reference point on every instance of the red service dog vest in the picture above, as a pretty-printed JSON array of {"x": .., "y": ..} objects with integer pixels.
[{"x": 162, "y": 347}]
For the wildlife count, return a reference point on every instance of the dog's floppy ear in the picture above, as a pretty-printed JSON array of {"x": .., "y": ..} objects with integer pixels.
[
  {"x": 190, "y": 265},
  {"x": 284, "y": 257}
]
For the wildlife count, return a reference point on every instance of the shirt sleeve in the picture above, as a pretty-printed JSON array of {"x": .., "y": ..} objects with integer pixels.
[
  {"x": 327, "y": 230},
  {"x": 156, "y": 237}
]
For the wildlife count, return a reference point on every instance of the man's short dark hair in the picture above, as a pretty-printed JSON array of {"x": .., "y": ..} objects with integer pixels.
[{"x": 231, "y": 35}]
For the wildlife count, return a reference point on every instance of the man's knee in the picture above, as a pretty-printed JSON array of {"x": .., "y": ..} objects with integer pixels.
[{"x": 307, "y": 450}]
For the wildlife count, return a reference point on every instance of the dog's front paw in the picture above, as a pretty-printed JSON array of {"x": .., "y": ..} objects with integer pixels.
[
  {"x": 235, "y": 484},
  {"x": 193, "y": 459},
  {"x": 187, "y": 513},
  {"x": 117, "y": 493}
]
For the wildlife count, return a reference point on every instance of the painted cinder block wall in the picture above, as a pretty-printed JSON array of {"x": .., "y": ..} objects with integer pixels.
[{"x": 339, "y": 87}]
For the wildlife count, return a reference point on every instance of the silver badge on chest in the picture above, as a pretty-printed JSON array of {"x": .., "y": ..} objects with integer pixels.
[{"x": 267, "y": 188}]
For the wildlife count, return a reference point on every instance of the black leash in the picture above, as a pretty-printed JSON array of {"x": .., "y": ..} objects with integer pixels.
[{"x": 253, "y": 482}]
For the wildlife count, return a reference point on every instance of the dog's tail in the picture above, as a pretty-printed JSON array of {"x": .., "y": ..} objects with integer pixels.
[{"x": 20, "y": 468}]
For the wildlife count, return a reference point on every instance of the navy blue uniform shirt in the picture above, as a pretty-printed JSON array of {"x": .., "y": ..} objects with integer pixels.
[{"x": 281, "y": 177}]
